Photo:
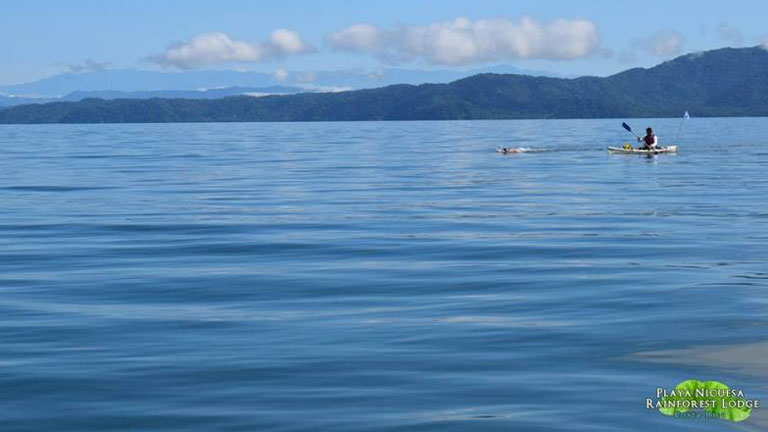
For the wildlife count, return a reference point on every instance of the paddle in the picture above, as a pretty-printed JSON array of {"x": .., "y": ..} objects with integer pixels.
[{"x": 629, "y": 129}]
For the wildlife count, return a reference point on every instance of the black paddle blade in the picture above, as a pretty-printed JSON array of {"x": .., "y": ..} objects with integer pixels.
[{"x": 626, "y": 126}]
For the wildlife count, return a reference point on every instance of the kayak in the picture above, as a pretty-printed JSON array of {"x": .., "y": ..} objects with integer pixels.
[{"x": 670, "y": 149}]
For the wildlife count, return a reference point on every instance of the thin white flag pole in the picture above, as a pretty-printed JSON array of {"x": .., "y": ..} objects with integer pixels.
[{"x": 686, "y": 116}]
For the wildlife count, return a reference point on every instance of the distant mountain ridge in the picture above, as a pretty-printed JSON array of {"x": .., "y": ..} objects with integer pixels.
[
  {"x": 130, "y": 80},
  {"x": 168, "y": 94},
  {"x": 6, "y": 101},
  {"x": 723, "y": 82}
]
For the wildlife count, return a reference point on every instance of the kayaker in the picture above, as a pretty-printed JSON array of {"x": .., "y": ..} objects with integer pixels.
[{"x": 650, "y": 141}]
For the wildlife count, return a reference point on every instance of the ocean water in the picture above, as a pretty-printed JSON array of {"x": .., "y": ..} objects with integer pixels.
[{"x": 394, "y": 276}]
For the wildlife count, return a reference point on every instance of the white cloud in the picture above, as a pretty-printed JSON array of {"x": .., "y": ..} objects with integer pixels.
[
  {"x": 764, "y": 42},
  {"x": 209, "y": 49},
  {"x": 666, "y": 43},
  {"x": 308, "y": 88},
  {"x": 359, "y": 37},
  {"x": 326, "y": 89},
  {"x": 463, "y": 41},
  {"x": 285, "y": 41},
  {"x": 281, "y": 75}
]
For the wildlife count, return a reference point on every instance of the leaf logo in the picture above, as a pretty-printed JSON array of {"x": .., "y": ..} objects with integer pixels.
[{"x": 714, "y": 397}]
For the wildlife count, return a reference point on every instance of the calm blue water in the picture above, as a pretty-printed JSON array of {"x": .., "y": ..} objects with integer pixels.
[{"x": 374, "y": 276}]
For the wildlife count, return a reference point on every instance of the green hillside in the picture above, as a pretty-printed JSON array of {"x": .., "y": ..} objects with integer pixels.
[{"x": 724, "y": 82}]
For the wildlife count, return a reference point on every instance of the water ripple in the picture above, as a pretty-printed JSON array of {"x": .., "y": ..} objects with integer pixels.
[{"x": 375, "y": 276}]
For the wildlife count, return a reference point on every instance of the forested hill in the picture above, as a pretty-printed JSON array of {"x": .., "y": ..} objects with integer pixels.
[{"x": 723, "y": 82}]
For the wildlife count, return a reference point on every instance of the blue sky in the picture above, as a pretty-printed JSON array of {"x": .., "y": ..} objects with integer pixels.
[{"x": 44, "y": 37}]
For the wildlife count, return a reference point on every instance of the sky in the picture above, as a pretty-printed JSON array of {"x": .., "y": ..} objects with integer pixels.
[{"x": 40, "y": 38}]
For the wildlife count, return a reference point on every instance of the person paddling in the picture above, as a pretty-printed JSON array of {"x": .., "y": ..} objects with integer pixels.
[{"x": 651, "y": 141}]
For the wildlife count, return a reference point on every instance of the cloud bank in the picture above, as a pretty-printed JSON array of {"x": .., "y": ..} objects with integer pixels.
[
  {"x": 464, "y": 42},
  {"x": 210, "y": 49},
  {"x": 665, "y": 44}
]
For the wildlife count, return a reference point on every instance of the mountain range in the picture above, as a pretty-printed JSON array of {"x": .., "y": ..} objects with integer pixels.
[
  {"x": 723, "y": 82},
  {"x": 218, "y": 93},
  {"x": 132, "y": 80}
]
